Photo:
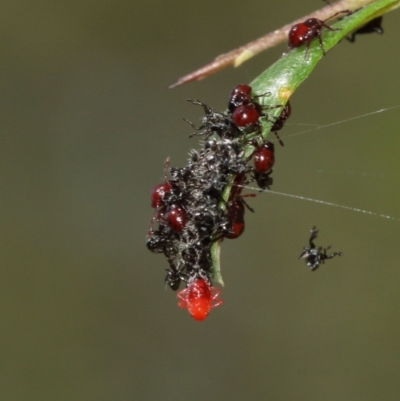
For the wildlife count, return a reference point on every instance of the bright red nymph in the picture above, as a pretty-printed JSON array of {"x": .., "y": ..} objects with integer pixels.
[{"x": 199, "y": 297}]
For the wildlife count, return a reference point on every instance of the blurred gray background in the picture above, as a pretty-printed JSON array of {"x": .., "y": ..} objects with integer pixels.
[{"x": 86, "y": 124}]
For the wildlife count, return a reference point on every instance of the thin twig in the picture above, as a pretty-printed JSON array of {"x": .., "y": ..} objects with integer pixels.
[{"x": 238, "y": 56}]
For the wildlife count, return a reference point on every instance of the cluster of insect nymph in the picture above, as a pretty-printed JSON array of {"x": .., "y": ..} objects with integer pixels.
[
  {"x": 202, "y": 203},
  {"x": 190, "y": 211}
]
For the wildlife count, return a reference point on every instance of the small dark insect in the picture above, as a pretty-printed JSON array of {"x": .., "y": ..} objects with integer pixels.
[
  {"x": 159, "y": 191},
  {"x": 213, "y": 122},
  {"x": 264, "y": 160},
  {"x": 236, "y": 219},
  {"x": 241, "y": 94},
  {"x": 314, "y": 256},
  {"x": 246, "y": 110},
  {"x": 158, "y": 195},
  {"x": 236, "y": 211},
  {"x": 176, "y": 218},
  {"x": 174, "y": 276},
  {"x": 264, "y": 157},
  {"x": 306, "y": 31},
  {"x": 264, "y": 180},
  {"x": 161, "y": 241},
  {"x": 247, "y": 115},
  {"x": 236, "y": 208},
  {"x": 373, "y": 26},
  {"x": 237, "y": 186},
  {"x": 280, "y": 121}
]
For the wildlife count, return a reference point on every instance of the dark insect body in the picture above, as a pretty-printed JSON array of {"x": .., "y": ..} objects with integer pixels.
[
  {"x": 264, "y": 157},
  {"x": 161, "y": 241},
  {"x": 246, "y": 111},
  {"x": 373, "y": 26},
  {"x": 305, "y": 32},
  {"x": 264, "y": 180},
  {"x": 236, "y": 209},
  {"x": 158, "y": 196},
  {"x": 176, "y": 218},
  {"x": 280, "y": 121},
  {"x": 218, "y": 123},
  {"x": 174, "y": 276},
  {"x": 264, "y": 160},
  {"x": 247, "y": 115},
  {"x": 158, "y": 193},
  {"x": 314, "y": 256},
  {"x": 240, "y": 95},
  {"x": 236, "y": 219}
]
